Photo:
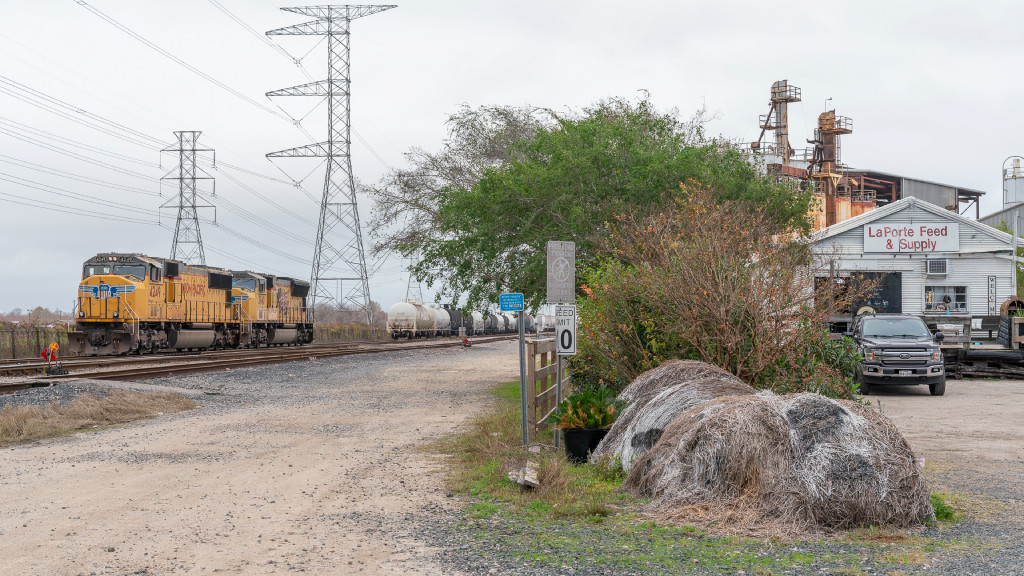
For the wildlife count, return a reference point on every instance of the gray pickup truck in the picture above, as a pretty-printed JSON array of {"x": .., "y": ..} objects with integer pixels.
[{"x": 897, "y": 349}]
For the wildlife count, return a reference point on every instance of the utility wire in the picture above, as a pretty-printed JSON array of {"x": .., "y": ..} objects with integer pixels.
[
  {"x": 62, "y": 108},
  {"x": 32, "y": 202},
  {"x": 75, "y": 155},
  {"x": 14, "y": 125},
  {"x": 181, "y": 62},
  {"x": 73, "y": 195},
  {"x": 69, "y": 175}
]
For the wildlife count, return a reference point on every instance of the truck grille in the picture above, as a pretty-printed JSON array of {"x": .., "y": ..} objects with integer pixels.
[{"x": 913, "y": 357}]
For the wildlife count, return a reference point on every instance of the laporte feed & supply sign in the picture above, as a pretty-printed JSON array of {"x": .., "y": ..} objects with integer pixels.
[{"x": 921, "y": 237}]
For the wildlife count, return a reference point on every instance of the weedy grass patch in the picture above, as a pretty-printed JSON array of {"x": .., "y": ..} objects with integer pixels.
[
  {"x": 943, "y": 511},
  {"x": 491, "y": 445},
  {"x": 24, "y": 423},
  {"x": 580, "y": 516}
]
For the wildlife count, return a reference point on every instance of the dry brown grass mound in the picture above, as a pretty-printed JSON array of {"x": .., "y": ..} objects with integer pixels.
[
  {"x": 797, "y": 463},
  {"x": 656, "y": 397},
  {"x": 86, "y": 411}
]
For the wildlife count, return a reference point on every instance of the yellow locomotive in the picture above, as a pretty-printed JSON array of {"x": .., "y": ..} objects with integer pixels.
[{"x": 130, "y": 303}]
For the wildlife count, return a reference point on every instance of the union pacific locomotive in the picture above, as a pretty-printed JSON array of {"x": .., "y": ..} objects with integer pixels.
[{"x": 134, "y": 304}]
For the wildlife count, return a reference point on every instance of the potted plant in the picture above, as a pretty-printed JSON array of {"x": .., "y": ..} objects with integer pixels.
[{"x": 584, "y": 418}]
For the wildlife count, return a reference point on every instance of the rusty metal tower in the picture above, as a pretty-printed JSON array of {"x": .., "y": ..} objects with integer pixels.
[
  {"x": 826, "y": 168},
  {"x": 339, "y": 239},
  {"x": 777, "y": 120},
  {"x": 187, "y": 245}
]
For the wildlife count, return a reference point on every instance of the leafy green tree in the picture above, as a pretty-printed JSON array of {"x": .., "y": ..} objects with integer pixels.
[{"x": 480, "y": 213}]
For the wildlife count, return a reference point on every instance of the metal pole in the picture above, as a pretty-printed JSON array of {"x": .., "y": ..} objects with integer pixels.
[
  {"x": 1013, "y": 260},
  {"x": 522, "y": 375},
  {"x": 558, "y": 392}
]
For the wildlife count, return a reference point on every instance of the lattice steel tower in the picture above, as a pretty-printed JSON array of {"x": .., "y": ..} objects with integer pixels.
[
  {"x": 338, "y": 206},
  {"x": 188, "y": 242}
]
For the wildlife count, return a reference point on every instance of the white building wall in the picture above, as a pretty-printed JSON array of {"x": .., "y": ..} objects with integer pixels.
[{"x": 970, "y": 270}]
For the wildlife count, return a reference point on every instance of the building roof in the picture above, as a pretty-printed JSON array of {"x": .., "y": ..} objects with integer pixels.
[
  {"x": 959, "y": 189},
  {"x": 903, "y": 204}
]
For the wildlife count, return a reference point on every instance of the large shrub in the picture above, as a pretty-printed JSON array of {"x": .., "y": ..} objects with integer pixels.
[{"x": 721, "y": 282}]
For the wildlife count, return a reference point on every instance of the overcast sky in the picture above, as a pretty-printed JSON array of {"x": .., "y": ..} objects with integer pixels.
[{"x": 933, "y": 89}]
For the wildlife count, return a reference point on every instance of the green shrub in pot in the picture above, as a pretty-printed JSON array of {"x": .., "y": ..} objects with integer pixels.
[{"x": 585, "y": 417}]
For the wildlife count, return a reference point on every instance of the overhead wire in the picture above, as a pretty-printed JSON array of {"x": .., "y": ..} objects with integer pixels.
[
  {"x": 33, "y": 203},
  {"x": 55, "y": 172},
  {"x": 181, "y": 62},
  {"x": 74, "y": 113},
  {"x": 75, "y": 155},
  {"x": 15, "y": 125},
  {"x": 11, "y": 178}
]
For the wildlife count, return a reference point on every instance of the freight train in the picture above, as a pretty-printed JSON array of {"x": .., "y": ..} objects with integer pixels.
[
  {"x": 413, "y": 320},
  {"x": 134, "y": 304}
]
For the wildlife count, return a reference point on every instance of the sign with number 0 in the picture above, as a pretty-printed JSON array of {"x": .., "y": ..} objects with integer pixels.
[{"x": 565, "y": 329}]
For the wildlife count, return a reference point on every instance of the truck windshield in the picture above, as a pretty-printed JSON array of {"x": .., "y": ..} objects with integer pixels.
[{"x": 895, "y": 328}]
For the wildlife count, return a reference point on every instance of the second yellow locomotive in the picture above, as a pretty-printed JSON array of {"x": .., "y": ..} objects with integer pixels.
[{"x": 131, "y": 303}]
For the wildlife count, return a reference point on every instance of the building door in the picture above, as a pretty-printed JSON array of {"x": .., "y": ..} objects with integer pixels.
[{"x": 887, "y": 297}]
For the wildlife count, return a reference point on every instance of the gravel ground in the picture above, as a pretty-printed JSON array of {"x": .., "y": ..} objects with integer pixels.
[{"x": 312, "y": 467}]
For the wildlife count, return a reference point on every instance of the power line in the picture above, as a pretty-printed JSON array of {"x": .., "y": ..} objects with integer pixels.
[
  {"x": 69, "y": 194},
  {"x": 32, "y": 202},
  {"x": 70, "y": 176},
  {"x": 74, "y": 113},
  {"x": 75, "y": 155},
  {"x": 14, "y": 125},
  {"x": 181, "y": 62},
  {"x": 262, "y": 197}
]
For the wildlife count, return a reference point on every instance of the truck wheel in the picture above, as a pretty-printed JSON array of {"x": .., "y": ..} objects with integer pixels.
[
  {"x": 862, "y": 386},
  {"x": 939, "y": 388}
]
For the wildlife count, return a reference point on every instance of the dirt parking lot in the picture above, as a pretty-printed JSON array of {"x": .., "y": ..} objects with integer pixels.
[{"x": 974, "y": 420}]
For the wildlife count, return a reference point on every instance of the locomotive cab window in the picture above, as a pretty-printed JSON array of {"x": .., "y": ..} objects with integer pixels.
[
  {"x": 154, "y": 273},
  {"x": 244, "y": 284},
  {"x": 137, "y": 271},
  {"x": 95, "y": 269}
]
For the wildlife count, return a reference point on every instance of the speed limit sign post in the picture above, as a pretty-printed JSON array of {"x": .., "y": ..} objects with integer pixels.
[{"x": 565, "y": 329}]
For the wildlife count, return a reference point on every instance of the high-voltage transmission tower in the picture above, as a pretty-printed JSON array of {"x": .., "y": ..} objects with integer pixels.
[
  {"x": 188, "y": 242},
  {"x": 338, "y": 206}
]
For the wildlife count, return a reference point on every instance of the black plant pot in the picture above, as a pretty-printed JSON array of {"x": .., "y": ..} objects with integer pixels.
[{"x": 580, "y": 442}]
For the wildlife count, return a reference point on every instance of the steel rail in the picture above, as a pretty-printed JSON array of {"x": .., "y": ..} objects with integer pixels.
[{"x": 204, "y": 364}]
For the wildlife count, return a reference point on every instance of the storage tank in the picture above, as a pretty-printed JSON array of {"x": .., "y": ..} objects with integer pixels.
[
  {"x": 442, "y": 323},
  {"x": 455, "y": 320},
  {"x": 491, "y": 326},
  {"x": 478, "y": 323},
  {"x": 408, "y": 320},
  {"x": 530, "y": 325}
]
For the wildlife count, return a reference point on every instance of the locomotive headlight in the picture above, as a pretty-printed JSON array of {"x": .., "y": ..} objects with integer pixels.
[
  {"x": 115, "y": 314},
  {"x": 81, "y": 313}
]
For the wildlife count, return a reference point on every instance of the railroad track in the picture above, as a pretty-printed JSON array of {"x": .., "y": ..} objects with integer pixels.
[
  {"x": 128, "y": 368},
  {"x": 32, "y": 367}
]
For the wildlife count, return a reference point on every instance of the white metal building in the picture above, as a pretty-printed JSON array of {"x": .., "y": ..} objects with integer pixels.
[{"x": 932, "y": 259}]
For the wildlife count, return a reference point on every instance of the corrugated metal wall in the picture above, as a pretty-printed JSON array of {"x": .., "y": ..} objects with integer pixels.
[
  {"x": 1006, "y": 218},
  {"x": 937, "y": 194}
]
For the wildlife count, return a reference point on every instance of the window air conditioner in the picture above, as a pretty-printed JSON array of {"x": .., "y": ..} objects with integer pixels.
[{"x": 936, "y": 266}]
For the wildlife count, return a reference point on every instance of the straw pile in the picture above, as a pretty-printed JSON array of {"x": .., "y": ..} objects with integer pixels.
[
  {"x": 800, "y": 462},
  {"x": 656, "y": 397}
]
